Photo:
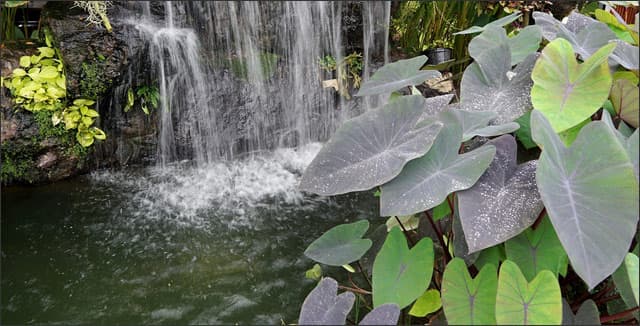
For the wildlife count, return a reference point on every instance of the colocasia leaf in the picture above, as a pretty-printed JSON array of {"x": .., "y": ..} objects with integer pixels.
[
  {"x": 489, "y": 84},
  {"x": 340, "y": 245},
  {"x": 469, "y": 301},
  {"x": 504, "y": 202},
  {"x": 520, "y": 46},
  {"x": 588, "y": 314},
  {"x": 627, "y": 282},
  {"x": 324, "y": 307},
  {"x": 591, "y": 194},
  {"x": 565, "y": 91},
  {"x": 371, "y": 149},
  {"x": 519, "y": 302},
  {"x": 386, "y": 314},
  {"x": 537, "y": 250},
  {"x": 400, "y": 274},
  {"x": 626, "y": 102},
  {"x": 397, "y": 75},
  {"x": 426, "y": 182}
]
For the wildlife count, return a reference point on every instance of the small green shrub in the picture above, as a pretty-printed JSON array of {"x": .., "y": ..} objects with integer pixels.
[
  {"x": 146, "y": 95},
  {"x": 92, "y": 83},
  {"x": 40, "y": 85}
]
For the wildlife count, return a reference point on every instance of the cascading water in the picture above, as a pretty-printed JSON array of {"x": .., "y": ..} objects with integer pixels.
[
  {"x": 265, "y": 54},
  {"x": 218, "y": 241}
]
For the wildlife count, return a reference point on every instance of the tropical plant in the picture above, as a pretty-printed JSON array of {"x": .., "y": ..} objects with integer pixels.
[
  {"x": 474, "y": 235},
  {"x": 347, "y": 72},
  {"x": 39, "y": 84},
  {"x": 146, "y": 95}
]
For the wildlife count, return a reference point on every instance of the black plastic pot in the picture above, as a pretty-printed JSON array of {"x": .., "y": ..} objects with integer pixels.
[{"x": 438, "y": 55}]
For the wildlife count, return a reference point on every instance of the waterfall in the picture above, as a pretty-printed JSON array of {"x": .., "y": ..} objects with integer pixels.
[{"x": 241, "y": 77}]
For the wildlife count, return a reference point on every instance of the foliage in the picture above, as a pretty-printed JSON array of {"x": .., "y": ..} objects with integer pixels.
[
  {"x": 558, "y": 227},
  {"x": 146, "y": 95},
  {"x": 97, "y": 11},
  {"x": 93, "y": 83},
  {"x": 40, "y": 85},
  {"x": 341, "y": 245},
  {"x": 8, "y": 30},
  {"x": 347, "y": 70}
]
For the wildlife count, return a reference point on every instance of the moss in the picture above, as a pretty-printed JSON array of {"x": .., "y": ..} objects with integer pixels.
[
  {"x": 18, "y": 162},
  {"x": 92, "y": 81},
  {"x": 67, "y": 137},
  {"x": 46, "y": 127}
]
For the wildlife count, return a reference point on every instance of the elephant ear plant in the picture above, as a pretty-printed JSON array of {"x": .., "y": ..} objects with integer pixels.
[{"x": 518, "y": 204}]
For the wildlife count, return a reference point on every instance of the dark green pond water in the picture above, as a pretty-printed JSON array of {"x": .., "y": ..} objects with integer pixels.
[{"x": 180, "y": 245}]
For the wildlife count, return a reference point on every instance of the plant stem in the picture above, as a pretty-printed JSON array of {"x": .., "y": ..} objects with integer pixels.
[
  {"x": 366, "y": 278},
  {"x": 620, "y": 315},
  {"x": 439, "y": 233},
  {"x": 607, "y": 299},
  {"x": 354, "y": 290},
  {"x": 406, "y": 233}
]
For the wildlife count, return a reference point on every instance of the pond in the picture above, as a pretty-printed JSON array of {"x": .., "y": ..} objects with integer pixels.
[{"x": 222, "y": 243}]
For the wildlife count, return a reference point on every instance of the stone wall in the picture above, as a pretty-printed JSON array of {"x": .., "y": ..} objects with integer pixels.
[{"x": 98, "y": 65}]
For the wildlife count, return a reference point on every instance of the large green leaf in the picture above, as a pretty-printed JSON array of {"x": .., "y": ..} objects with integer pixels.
[
  {"x": 565, "y": 91},
  {"x": 588, "y": 314},
  {"x": 324, "y": 307},
  {"x": 591, "y": 195},
  {"x": 340, "y": 245},
  {"x": 468, "y": 301},
  {"x": 492, "y": 255},
  {"x": 520, "y": 46},
  {"x": 632, "y": 149},
  {"x": 489, "y": 84},
  {"x": 537, "y": 250},
  {"x": 521, "y": 303},
  {"x": 626, "y": 102},
  {"x": 401, "y": 275},
  {"x": 425, "y": 182},
  {"x": 498, "y": 22},
  {"x": 627, "y": 282},
  {"x": 394, "y": 76},
  {"x": 504, "y": 201},
  {"x": 427, "y": 303},
  {"x": 371, "y": 149}
]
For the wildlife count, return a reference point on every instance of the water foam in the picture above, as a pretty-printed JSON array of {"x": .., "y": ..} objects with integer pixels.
[{"x": 188, "y": 194}]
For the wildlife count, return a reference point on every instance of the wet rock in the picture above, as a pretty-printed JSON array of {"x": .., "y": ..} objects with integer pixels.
[
  {"x": 98, "y": 66},
  {"x": 47, "y": 160}
]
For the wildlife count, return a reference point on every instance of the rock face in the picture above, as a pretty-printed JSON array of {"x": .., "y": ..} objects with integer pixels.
[
  {"x": 97, "y": 66},
  {"x": 103, "y": 66}
]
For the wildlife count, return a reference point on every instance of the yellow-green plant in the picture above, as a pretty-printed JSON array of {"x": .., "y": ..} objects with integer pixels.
[
  {"x": 40, "y": 84},
  {"x": 79, "y": 116}
]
